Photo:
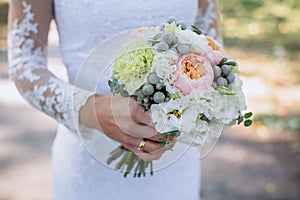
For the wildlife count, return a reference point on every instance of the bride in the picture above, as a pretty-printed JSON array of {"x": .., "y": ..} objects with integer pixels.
[{"x": 82, "y": 25}]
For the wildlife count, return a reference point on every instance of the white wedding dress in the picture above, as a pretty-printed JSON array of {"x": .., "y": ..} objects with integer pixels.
[{"x": 82, "y": 25}]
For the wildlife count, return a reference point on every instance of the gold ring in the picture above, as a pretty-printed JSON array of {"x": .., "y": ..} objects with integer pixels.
[{"x": 142, "y": 145}]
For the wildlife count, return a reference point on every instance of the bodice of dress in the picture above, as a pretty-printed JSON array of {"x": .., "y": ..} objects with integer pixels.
[{"x": 84, "y": 24}]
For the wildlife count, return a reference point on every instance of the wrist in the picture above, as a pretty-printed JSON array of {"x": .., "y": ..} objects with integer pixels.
[{"x": 87, "y": 113}]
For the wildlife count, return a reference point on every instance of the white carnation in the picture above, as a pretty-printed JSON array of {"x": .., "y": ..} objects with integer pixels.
[
  {"x": 164, "y": 64},
  {"x": 198, "y": 43}
]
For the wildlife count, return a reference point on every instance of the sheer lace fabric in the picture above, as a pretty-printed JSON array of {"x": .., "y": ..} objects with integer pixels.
[
  {"x": 207, "y": 19},
  {"x": 28, "y": 68}
]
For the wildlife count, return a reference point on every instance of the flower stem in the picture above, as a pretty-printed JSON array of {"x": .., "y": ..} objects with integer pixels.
[{"x": 129, "y": 161}]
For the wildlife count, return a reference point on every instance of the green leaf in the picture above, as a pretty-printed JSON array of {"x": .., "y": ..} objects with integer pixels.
[
  {"x": 151, "y": 168},
  {"x": 124, "y": 93},
  {"x": 110, "y": 83},
  {"x": 248, "y": 115},
  {"x": 223, "y": 60},
  {"x": 240, "y": 119},
  {"x": 162, "y": 145},
  {"x": 157, "y": 37},
  {"x": 225, "y": 91},
  {"x": 232, "y": 63},
  {"x": 234, "y": 69},
  {"x": 248, "y": 122},
  {"x": 196, "y": 30},
  {"x": 163, "y": 140},
  {"x": 170, "y": 133},
  {"x": 174, "y": 96}
]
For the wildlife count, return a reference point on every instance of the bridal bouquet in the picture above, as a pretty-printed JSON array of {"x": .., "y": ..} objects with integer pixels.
[{"x": 184, "y": 79}]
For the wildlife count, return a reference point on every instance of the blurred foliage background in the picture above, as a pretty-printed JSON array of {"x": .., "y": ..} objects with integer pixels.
[
  {"x": 3, "y": 22},
  {"x": 270, "y": 27},
  {"x": 261, "y": 162},
  {"x": 269, "y": 31}
]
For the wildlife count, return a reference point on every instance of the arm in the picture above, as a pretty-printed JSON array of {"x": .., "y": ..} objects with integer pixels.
[
  {"x": 27, "y": 41},
  {"x": 208, "y": 20},
  {"x": 124, "y": 122}
]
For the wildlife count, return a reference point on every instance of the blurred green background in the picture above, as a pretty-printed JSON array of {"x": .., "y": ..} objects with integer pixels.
[
  {"x": 269, "y": 32},
  {"x": 261, "y": 162},
  {"x": 270, "y": 27}
]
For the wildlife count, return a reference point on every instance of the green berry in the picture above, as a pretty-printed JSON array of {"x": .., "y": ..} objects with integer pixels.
[
  {"x": 225, "y": 70},
  {"x": 171, "y": 19},
  {"x": 167, "y": 37},
  {"x": 182, "y": 24},
  {"x": 146, "y": 100},
  {"x": 158, "y": 86},
  {"x": 183, "y": 48},
  {"x": 153, "y": 78},
  {"x": 124, "y": 93},
  {"x": 230, "y": 78},
  {"x": 159, "y": 97},
  {"x": 221, "y": 81},
  {"x": 214, "y": 85},
  {"x": 140, "y": 94},
  {"x": 148, "y": 89},
  {"x": 217, "y": 71},
  {"x": 162, "y": 46},
  {"x": 162, "y": 26}
]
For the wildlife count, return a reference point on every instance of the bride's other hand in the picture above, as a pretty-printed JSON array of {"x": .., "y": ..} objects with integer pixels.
[{"x": 123, "y": 120}]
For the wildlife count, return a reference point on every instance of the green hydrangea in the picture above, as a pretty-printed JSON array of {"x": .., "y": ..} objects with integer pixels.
[
  {"x": 170, "y": 27},
  {"x": 133, "y": 64}
]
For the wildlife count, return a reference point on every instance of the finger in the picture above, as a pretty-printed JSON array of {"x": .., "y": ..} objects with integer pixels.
[
  {"x": 139, "y": 131},
  {"x": 138, "y": 114},
  {"x": 141, "y": 154},
  {"x": 153, "y": 147},
  {"x": 149, "y": 146}
]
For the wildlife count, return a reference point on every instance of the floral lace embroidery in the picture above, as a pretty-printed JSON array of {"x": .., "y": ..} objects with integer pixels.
[
  {"x": 60, "y": 100},
  {"x": 207, "y": 20},
  {"x": 22, "y": 47}
]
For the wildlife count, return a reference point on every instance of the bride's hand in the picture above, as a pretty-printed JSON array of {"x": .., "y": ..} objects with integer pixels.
[{"x": 123, "y": 120}]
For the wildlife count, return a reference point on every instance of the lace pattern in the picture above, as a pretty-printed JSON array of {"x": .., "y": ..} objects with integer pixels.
[
  {"x": 207, "y": 19},
  {"x": 28, "y": 68}
]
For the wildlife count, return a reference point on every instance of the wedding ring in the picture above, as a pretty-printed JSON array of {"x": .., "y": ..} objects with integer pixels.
[{"x": 142, "y": 145}]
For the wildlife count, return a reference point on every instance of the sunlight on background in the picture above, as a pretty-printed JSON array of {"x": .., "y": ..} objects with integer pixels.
[{"x": 261, "y": 162}]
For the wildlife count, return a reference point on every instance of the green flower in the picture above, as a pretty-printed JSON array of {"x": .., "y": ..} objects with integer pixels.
[
  {"x": 133, "y": 64},
  {"x": 170, "y": 27}
]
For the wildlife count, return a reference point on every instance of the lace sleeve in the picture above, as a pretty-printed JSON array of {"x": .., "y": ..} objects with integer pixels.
[
  {"x": 207, "y": 19},
  {"x": 27, "y": 41}
]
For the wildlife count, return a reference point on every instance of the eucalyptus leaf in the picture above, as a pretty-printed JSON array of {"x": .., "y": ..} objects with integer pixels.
[
  {"x": 248, "y": 122},
  {"x": 223, "y": 60},
  {"x": 248, "y": 115},
  {"x": 196, "y": 30},
  {"x": 225, "y": 91},
  {"x": 240, "y": 119},
  {"x": 232, "y": 63}
]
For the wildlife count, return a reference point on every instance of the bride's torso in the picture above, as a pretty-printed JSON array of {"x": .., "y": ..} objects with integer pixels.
[{"x": 83, "y": 24}]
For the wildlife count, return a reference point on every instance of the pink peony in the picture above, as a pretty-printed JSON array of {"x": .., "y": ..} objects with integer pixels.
[
  {"x": 193, "y": 72},
  {"x": 216, "y": 52}
]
